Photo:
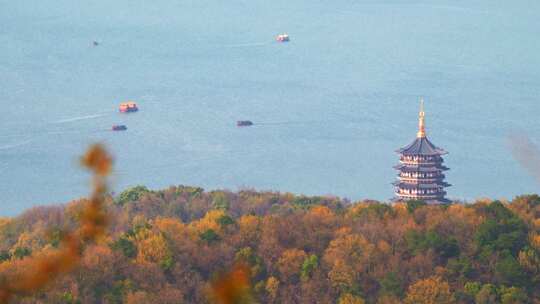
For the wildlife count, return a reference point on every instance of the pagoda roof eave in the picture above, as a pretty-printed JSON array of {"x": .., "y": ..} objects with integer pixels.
[
  {"x": 428, "y": 201},
  {"x": 401, "y": 184},
  {"x": 412, "y": 168},
  {"x": 421, "y": 146}
]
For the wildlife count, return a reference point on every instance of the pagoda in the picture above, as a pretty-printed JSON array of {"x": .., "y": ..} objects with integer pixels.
[{"x": 421, "y": 169}]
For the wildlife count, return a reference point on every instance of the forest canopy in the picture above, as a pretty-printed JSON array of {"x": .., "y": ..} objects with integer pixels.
[{"x": 170, "y": 246}]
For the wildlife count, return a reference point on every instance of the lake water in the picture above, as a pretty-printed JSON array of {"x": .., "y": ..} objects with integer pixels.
[{"x": 330, "y": 107}]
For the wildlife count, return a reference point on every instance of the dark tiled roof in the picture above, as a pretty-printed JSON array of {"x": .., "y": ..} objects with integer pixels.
[
  {"x": 440, "y": 200},
  {"x": 420, "y": 185},
  {"x": 421, "y": 146},
  {"x": 409, "y": 168}
]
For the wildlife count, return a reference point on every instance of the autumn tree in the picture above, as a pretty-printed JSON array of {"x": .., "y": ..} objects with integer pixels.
[{"x": 429, "y": 291}]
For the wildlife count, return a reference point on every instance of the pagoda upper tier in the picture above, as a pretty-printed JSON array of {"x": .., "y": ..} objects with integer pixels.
[{"x": 421, "y": 169}]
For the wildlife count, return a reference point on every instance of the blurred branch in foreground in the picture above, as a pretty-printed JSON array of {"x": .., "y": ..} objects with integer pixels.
[
  {"x": 526, "y": 153},
  {"x": 233, "y": 287},
  {"x": 41, "y": 269}
]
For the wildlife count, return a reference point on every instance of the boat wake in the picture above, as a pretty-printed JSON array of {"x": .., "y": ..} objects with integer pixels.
[
  {"x": 15, "y": 145},
  {"x": 292, "y": 122},
  {"x": 72, "y": 119},
  {"x": 242, "y": 45}
]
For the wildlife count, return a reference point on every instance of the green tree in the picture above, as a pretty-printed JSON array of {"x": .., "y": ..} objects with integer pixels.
[
  {"x": 513, "y": 295},
  {"x": 220, "y": 200},
  {"x": 21, "y": 252},
  {"x": 310, "y": 264},
  {"x": 392, "y": 285},
  {"x": 68, "y": 298},
  {"x": 132, "y": 194},
  {"x": 412, "y": 205},
  {"x": 501, "y": 231},
  {"x": 4, "y": 255},
  {"x": 225, "y": 220},
  {"x": 209, "y": 236},
  {"x": 418, "y": 242},
  {"x": 487, "y": 295},
  {"x": 125, "y": 246},
  {"x": 460, "y": 267},
  {"x": 509, "y": 272},
  {"x": 472, "y": 288}
]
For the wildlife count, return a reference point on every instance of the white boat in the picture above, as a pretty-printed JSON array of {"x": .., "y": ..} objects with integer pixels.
[{"x": 282, "y": 38}]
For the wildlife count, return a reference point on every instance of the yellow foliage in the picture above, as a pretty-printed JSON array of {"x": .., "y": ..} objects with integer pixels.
[
  {"x": 432, "y": 290},
  {"x": 529, "y": 260},
  {"x": 4, "y": 221},
  {"x": 356, "y": 208},
  {"x": 249, "y": 222},
  {"x": 151, "y": 247},
  {"x": 342, "y": 232},
  {"x": 350, "y": 299},
  {"x": 169, "y": 226},
  {"x": 290, "y": 263},
  {"x": 321, "y": 212},
  {"x": 27, "y": 240},
  {"x": 348, "y": 256},
  {"x": 341, "y": 275},
  {"x": 388, "y": 300},
  {"x": 536, "y": 224},
  {"x": 74, "y": 209},
  {"x": 400, "y": 209},
  {"x": 351, "y": 247},
  {"x": 460, "y": 213},
  {"x": 249, "y": 227},
  {"x": 535, "y": 240},
  {"x": 139, "y": 220},
  {"x": 209, "y": 221},
  {"x": 139, "y": 297},
  {"x": 384, "y": 247},
  {"x": 272, "y": 286}
]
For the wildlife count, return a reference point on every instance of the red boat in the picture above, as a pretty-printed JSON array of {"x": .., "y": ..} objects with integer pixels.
[{"x": 130, "y": 106}]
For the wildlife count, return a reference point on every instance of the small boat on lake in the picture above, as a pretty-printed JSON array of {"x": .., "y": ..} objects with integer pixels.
[
  {"x": 130, "y": 106},
  {"x": 119, "y": 128},
  {"x": 282, "y": 38},
  {"x": 244, "y": 123}
]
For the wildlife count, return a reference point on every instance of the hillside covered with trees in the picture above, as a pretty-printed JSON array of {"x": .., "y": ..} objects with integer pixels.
[{"x": 168, "y": 246}]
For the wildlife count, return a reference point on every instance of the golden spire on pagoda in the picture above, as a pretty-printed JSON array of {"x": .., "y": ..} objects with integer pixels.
[{"x": 421, "y": 123}]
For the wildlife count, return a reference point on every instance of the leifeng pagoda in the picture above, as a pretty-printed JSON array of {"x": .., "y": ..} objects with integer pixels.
[{"x": 421, "y": 169}]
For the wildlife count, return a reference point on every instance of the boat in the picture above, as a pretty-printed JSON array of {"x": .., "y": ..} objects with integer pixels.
[
  {"x": 282, "y": 38},
  {"x": 95, "y": 43},
  {"x": 244, "y": 123},
  {"x": 119, "y": 128},
  {"x": 130, "y": 106}
]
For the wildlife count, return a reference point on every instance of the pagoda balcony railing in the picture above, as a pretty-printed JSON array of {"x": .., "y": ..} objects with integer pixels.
[
  {"x": 421, "y": 196},
  {"x": 421, "y": 162},
  {"x": 420, "y": 180},
  {"x": 420, "y": 158}
]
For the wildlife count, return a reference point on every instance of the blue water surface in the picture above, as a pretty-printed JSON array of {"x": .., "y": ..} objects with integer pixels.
[{"x": 330, "y": 107}]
